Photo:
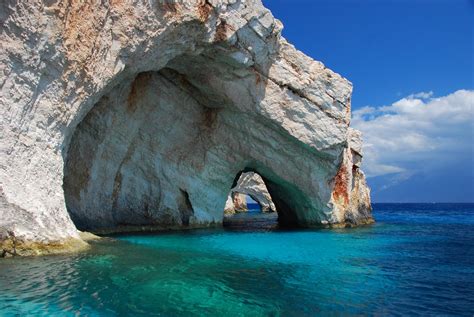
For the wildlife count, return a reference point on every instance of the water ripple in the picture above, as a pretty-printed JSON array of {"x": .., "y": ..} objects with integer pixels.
[{"x": 406, "y": 264}]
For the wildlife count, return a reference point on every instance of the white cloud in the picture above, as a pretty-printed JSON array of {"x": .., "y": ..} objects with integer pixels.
[
  {"x": 417, "y": 133},
  {"x": 421, "y": 95}
]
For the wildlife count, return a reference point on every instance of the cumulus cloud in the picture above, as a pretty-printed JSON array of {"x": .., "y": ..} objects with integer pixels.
[{"x": 417, "y": 133}]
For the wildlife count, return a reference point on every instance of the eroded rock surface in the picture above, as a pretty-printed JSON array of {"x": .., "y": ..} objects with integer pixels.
[
  {"x": 236, "y": 202},
  {"x": 142, "y": 113},
  {"x": 251, "y": 184}
]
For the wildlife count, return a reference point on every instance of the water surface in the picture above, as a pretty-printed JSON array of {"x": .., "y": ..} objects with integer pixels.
[{"x": 418, "y": 259}]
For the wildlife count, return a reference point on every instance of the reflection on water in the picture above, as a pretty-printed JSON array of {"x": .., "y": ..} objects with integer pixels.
[
  {"x": 253, "y": 220},
  {"x": 416, "y": 260}
]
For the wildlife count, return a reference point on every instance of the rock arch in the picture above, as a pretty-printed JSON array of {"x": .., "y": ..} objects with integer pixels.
[
  {"x": 77, "y": 73},
  {"x": 250, "y": 184}
]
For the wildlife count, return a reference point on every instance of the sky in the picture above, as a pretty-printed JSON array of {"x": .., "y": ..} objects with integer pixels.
[{"x": 411, "y": 66}]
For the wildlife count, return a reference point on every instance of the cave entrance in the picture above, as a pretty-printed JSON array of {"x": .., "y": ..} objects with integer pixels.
[
  {"x": 249, "y": 204},
  {"x": 155, "y": 151}
]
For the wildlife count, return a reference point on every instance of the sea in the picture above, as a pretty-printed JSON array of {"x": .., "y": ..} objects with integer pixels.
[{"x": 416, "y": 260}]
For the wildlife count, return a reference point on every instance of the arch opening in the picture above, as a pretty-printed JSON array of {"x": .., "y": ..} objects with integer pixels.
[
  {"x": 249, "y": 188},
  {"x": 156, "y": 150},
  {"x": 249, "y": 205},
  {"x": 253, "y": 205},
  {"x": 274, "y": 194}
]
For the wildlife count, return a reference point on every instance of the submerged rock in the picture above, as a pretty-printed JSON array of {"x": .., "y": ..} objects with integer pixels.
[{"x": 142, "y": 113}]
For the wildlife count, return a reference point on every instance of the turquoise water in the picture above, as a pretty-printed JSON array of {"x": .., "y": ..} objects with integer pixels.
[{"x": 417, "y": 260}]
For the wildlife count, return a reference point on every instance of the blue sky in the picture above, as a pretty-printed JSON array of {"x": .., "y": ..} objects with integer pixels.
[{"x": 411, "y": 64}]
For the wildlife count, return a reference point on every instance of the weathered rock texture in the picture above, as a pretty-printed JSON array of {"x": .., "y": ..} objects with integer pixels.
[
  {"x": 251, "y": 184},
  {"x": 120, "y": 113},
  {"x": 236, "y": 202}
]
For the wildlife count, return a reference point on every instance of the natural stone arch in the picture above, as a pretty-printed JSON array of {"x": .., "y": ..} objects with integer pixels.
[
  {"x": 291, "y": 204},
  {"x": 154, "y": 151},
  {"x": 77, "y": 54},
  {"x": 250, "y": 184},
  {"x": 294, "y": 206}
]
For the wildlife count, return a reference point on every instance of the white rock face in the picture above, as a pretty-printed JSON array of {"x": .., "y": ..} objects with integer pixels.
[
  {"x": 251, "y": 184},
  {"x": 143, "y": 113}
]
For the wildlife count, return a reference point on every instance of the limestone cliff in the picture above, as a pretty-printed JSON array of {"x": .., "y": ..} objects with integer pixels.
[{"x": 133, "y": 113}]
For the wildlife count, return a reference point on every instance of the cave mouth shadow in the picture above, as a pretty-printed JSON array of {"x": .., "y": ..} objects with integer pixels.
[{"x": 273, "y": 211}]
